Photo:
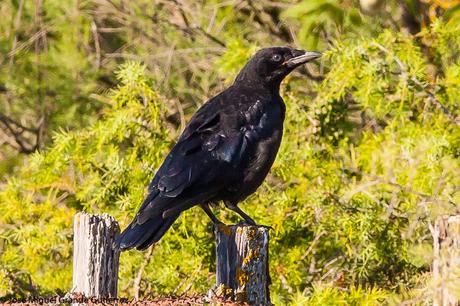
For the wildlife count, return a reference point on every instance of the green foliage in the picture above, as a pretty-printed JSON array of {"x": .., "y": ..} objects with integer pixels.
[
  {"x": 47, "y": 79},
  {"x": 323, "y": 294},
  {"x": 317, "y": 16},
  {"x": 369, "y": 159}
]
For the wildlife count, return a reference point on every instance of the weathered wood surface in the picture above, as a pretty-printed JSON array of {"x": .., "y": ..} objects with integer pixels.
[
  {"x": 446, "y": 261},
  {"x": 95, "y": 261},
  {"x": 242, "y": 263}
]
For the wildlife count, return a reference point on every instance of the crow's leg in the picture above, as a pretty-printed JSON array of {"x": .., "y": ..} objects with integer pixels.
[
  {"x": 208, "y": 211},
  {"x": 238, "y": 210}
]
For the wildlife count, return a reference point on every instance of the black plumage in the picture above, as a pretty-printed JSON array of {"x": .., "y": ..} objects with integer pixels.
[{"x": 224, "y": 153}]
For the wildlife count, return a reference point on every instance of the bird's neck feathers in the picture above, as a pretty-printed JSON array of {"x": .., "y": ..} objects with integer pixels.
[{"x": 249, "y": 76}]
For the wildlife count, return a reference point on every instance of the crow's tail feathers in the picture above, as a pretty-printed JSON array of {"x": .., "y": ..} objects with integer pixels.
[{"x": 141, "y": 236}]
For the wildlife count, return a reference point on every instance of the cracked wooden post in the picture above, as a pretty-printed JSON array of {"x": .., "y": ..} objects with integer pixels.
[
  {"x": 446, "y": 261},
  {"x": 242, "y": 264},
  {"x": 95, "y": 261}
]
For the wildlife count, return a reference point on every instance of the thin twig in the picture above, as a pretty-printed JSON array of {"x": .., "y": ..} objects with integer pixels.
[
  {"x": 17, "y": 22},
  {"x": 97, "y": 45},
  {"x": 312, "y": 244},
  {"x": 138, "y": 279}
]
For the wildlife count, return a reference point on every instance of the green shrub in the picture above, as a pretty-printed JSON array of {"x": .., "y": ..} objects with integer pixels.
[{"x": 365, "y": 167}]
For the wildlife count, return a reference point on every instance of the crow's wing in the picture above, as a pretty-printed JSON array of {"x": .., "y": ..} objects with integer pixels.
[{"x": 199, "y": 165}]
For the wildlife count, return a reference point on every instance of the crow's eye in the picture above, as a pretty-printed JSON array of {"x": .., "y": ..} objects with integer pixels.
[{"x": 276, "y": 58}]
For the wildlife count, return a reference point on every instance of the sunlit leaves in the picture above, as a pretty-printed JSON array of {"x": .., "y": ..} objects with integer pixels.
[{"x": 366, "y": 163}]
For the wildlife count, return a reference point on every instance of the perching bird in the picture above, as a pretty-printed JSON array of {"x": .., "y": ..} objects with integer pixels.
[{"x": 224, "y": 153}]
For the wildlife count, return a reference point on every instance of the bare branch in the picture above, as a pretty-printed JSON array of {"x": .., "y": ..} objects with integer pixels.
[{"x": 14, "y": 135}]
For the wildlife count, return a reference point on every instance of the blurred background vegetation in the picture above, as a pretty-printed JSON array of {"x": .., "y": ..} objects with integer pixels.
[{"x": 93, "y": 94}]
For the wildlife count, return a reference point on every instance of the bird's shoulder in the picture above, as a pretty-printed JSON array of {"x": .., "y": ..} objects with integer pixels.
[{"x": 238, "y": 106}]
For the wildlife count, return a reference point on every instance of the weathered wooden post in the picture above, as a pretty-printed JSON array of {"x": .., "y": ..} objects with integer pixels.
[
  {"x": 446, "y": 261},
  {"x": 242, "y": 264},
  {"x": 95, "y": 262}
]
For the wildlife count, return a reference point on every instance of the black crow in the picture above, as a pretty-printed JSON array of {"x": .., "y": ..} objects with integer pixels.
[{"x": 224, "y": 153}]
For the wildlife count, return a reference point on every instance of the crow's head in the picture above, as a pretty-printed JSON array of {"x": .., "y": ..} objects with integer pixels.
[{"x": 269, "y": 66}]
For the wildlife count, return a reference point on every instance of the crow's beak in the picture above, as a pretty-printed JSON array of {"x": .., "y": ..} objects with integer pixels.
[{"x": 303, "y": 58}]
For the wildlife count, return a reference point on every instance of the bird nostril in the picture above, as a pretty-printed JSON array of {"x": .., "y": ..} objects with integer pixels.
[{"x": 297, "y": 52}]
